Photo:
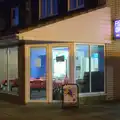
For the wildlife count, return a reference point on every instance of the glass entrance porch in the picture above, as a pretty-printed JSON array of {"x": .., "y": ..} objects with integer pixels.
[
  {"x": 48, "y": 69},
  {"x": 49, "y": 66},
  {"x": 41, "y": 70}
]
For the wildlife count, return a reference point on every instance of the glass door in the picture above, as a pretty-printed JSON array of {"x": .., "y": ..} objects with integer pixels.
[
  {"x": 38, "y": 73},
  {"x": 60, "y": 69},
  {"x": 48, "y": 68}
]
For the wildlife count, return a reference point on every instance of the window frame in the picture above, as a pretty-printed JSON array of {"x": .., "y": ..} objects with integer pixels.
[
  {"x": 90, "y": 93},
  {"x": 78, "y": 6},
  {"x": 15, "y": 18},
  {"x": 51, "y": 10}
]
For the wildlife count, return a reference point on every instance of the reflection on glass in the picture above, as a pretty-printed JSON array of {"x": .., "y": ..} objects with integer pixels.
[
  {"x": 9, "y": 70},
  {"x": 3, "y": 70},
  {"x": 73, "y": 4},
  {"x": 97, "y": 68},
  {"x": 60, "y": 69},
  {"x": 38, "y": 73},
  {"x": 13, "y": 69},
  {"x": 82, "y": 68},
  {"x": 49, "y": 8}
]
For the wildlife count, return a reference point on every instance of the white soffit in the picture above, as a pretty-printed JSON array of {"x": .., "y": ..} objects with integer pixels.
[{"x": 90, "y": 27}]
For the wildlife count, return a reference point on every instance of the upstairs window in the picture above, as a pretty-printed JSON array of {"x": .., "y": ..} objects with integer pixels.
[
  {"x": 15, "y": 16},
  {"x": 48, "y": 8},
  {"x": 75, "y": 4}
]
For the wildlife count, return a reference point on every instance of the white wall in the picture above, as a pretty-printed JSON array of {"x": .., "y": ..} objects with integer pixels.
[{"x": 91, "y": 27}]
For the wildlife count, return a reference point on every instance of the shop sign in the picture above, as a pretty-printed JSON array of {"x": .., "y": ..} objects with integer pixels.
[
  {"x": 117, "y": 29},
  {"x": 70, "y": 95}
]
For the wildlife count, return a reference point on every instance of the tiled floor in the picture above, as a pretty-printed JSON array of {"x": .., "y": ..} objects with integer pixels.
[{"x": 54, "y": 112}]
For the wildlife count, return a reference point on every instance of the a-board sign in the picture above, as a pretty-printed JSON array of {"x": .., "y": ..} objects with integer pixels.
[{"x": 70, "y": 95}]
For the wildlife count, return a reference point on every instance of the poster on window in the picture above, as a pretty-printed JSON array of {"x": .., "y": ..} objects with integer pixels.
[
  {"x": 70, "y": 95},
  {"x": 38, "y": 62}
]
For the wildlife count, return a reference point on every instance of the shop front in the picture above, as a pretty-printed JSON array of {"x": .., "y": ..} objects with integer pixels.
[
  {"x": 45, "y": 58},
  {"x": 48, "y": 67},
  {"x": 36, "y": 72}
]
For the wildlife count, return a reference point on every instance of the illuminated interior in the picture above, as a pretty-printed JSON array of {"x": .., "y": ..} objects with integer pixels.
[
  {"x": 60, "y": 69},
  {"x": 89, "y": 67},
  {"x": 89, "y": 70},
  {"x": 60, "y": 62}
]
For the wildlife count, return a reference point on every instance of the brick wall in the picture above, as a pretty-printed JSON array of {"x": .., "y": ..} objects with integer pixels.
[
  {"x": 113, "y": 70},
  {"x": 113, "y": 57}
]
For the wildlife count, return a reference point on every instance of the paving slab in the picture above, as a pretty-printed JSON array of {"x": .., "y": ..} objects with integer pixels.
[{"x": 54, "y": 112}]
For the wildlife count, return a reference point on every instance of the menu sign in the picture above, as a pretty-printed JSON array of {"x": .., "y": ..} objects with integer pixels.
[
  {"x": 117, "y": 29},
  {"x": 70, "y": 94}
]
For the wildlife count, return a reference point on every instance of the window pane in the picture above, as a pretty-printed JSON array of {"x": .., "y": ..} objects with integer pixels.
[
  {"x": 73, "y": 4},
  {"x": 55, "y": 7},
  {"x": 97, "y": 68},
  {"x": 48, "y": 7},
  {"x": 13, "y": 69},
  {"x": 60, "y": 70},
  {"x": 3, "y": 70},
  {"x": 82, "y": 68},
  {"x": 43, "y": 8},
  {"x": 15, "y": 16},
  {"x": 38, "y": 62},
  {"x": 80, "y": 3}
]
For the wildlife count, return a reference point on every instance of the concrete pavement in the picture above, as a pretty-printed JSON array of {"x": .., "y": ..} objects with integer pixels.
[{"x": 54, "y": 112}]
